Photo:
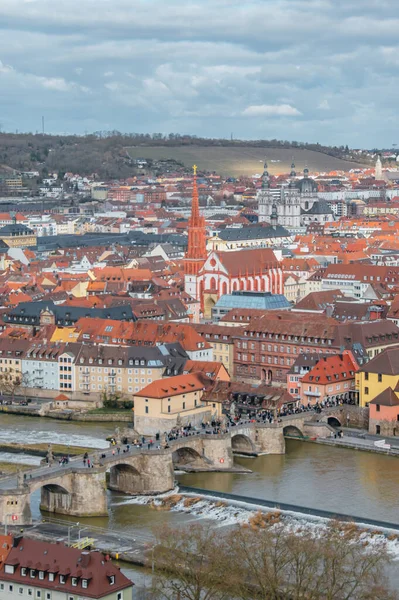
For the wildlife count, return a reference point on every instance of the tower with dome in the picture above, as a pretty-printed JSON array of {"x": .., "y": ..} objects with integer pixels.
[{"x": 297, "y": 203}]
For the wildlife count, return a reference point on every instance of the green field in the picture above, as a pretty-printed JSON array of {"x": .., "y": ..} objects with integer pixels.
[{"x": 244, "y": 160}]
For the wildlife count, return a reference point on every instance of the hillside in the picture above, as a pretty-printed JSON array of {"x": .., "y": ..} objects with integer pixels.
[
  {"x": 111, "y": 154},
  {"x": 235, "y": 161}
]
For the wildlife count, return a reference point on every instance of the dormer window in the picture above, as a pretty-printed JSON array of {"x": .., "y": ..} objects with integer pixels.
[
  {"x": 9, "y": 569},
  {"x": 74, "y": 581},
  {"x": 32, "y": 573},
  {"x": 51, "y": 576},
  {"x": 41, "y": 574},
  {"x": 23, "y": 571},
  {"x": 62, "y": 579},
  {"x": 111, "y": 579},
  {"x": 84, "y": 584}
]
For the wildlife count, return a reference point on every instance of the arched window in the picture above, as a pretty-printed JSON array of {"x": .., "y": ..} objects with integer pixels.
[
  {"x": 212, "y": 283},
  {"x": 256, "y": 285},
  {"x": 224, "y": 288}
]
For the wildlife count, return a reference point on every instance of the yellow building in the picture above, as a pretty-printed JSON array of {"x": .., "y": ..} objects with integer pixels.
[
  {"x": 222, "y": 341},
  {"x": 173, "y": 402},
  {"x": 377, "y": 375},
  {"x": 17, "y": 236}
]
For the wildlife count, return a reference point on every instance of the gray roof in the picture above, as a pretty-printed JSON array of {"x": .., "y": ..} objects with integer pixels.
[
  {"x": 253, "y": 233},
  {"x": 16, "y": 229},
  {"x": 254, "y": 300},
  {"x": 320, "y": 207},
  {"x": 28, "y": 313}
]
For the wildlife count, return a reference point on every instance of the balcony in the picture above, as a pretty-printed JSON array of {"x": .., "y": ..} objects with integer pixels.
[{"x": 312, "y": 394}]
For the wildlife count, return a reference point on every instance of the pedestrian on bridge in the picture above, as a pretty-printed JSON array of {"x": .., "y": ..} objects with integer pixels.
[{"x": 88, "y": 462}]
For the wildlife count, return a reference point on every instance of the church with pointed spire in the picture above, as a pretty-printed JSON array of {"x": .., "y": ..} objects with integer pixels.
[
  {"x": 196, "y": 251},
  {"x": 210, "y": 275}
]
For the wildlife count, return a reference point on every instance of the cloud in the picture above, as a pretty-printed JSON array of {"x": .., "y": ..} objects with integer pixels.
[
  {"x": 270, "y": 110},
  {"x": 312, "y": 70}
]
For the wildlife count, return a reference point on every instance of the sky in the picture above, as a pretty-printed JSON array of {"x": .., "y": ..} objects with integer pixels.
[{"x": 308, "y": 70}]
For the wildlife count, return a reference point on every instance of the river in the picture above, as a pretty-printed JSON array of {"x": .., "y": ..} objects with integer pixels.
[{"x": 335, "y": 479}]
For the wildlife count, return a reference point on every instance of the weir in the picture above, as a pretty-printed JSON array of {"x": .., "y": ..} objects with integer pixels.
[{"x": 294, "y": 508}]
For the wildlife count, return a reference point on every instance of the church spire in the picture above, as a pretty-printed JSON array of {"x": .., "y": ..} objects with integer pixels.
[
  {"x": 293, "y": 172},
  {"x": 196, "y": 251},
  {"x": 265, "y": 178}
]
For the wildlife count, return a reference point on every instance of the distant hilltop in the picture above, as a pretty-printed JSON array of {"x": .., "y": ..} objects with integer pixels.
[{"x": 112, "y": 154}]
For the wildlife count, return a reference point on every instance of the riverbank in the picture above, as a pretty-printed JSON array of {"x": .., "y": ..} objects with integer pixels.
[
  {"x": 42, "y": 449},
  {"x": 95, "y": 416},
  {"x": 353, "y": 443}
]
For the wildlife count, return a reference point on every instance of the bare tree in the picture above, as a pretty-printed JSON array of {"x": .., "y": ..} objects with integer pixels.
[
  {"x": 266, "y": 560},
  {"x": 190, "y": 564}
]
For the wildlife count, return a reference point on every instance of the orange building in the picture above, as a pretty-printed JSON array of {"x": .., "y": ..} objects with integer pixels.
[{"x": 332, "y": 378}]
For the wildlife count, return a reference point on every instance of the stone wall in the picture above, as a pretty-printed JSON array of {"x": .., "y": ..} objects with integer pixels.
[
  {"x": 387, "y": 428},
  {"x": 146, "y": 425},
  {"x": 145, "y": 473}
]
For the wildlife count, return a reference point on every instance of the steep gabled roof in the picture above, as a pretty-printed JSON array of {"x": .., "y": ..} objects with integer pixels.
[
  {"x": 386, "y": 363},
  {"x": 386, "y": 398}
]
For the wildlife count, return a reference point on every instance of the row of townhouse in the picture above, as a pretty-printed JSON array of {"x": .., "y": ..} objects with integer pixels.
[{"x": 85, "y": 371}]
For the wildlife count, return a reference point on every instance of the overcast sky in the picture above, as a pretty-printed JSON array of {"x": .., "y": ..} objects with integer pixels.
[{"x": 308, "y": 70}]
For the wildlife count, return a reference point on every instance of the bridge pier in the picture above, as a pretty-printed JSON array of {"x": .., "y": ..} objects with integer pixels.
[
  {"x": 17, "y": 503},
  {"x": 258, "y": 439},
  {"x": 145, "y": 473},
  {"x": 79, "y": 494}
]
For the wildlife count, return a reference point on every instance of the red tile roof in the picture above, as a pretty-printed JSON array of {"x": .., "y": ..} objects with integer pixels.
[
  {"x": 174, "y": 386},
  {"x": 61, "y": 560}
]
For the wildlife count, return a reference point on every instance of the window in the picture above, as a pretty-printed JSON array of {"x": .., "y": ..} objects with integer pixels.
[
  {"x": 377, "y": 407},
  {"x": 84, "y": 583},
  {"x": 41, "y": 574},
  {"x": 20, "y": 591},
  {"x": 366, "y": 391},
  {"x": 10, "y": 588},
  {"x": 74, "y": 581},
  {"x": 146, "y": 410},
  {"x": 112, "y": 580},
  {"x": 379, "y": 377},
  {"x": 30, "y": 592},
  {"x": 51, "y": 576},
  {"x": 9, "y": 569},
  {"x": 119, "y": 596},
  {"x": 366, "y": 376},
  {"x": 48, "y": 595},
  {"x": 62, "y": 579},
  {"x": 38, "y": 594}
]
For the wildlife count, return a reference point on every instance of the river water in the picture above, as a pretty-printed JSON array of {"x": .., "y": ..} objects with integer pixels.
[{"x": 316, "y": 476}]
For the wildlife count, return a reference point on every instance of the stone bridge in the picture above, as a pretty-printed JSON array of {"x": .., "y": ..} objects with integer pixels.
[{"x": 78, "y": 491}]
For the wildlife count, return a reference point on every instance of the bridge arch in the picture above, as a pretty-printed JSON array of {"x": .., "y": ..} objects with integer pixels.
[
  {"x": 292, "y": 431},
  {"x": 334, "y": 422},
  {"x": 242, "y": 444},
  {"x": 54, "y": 498},
  {"x": 126, "y": 478}
]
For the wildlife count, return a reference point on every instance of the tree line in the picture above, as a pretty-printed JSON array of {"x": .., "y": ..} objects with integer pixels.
[{"x": 267, "y": 560}]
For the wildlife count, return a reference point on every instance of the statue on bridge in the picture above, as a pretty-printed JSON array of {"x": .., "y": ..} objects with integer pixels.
[{"x": 50, "y": 455}]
